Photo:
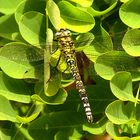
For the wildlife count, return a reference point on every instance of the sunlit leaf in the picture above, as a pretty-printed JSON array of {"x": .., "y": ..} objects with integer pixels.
[
  {"x": 131, "y": 42},
  {"x": 84, "y": 3},
  {"x": 6, "y": 110},
  {"x": 53, "y": 13},
  {"x": 109, "y": 63},
  {"x": 12, "y": 32},
  {"x": 13, "y": 89},
  {"x": 29, "y": 5},
  {"x": 121, "y": 86},
  {"x": 32, "y": 28},
  {"x": 36, "y": 112},
  {"x": 8, "y": 7},
  {"x": 96, "y": 128},
  {"x": 101, "y": 44},
  {"x": 99, "y": 13},
  {"x": 120, "y": 113},
  {"x": 52, "y": 86},
  {"x": 58, "y": 98},
  {"x": 75, "y": 19},
  {"x": 18, "y": 58},
  {"x": 115, "y": 132},
  {"x": 130, "y": 13},
  {"x": 124, "y": 1},
  {"x": 83, "y": 41}
]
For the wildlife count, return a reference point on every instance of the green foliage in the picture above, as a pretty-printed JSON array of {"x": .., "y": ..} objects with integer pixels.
[
  {"x": 131, "y": 46},
  {"x": 130, "y": 13},
  {"x": 82, "y": 21},
  {"x": 13, "y": 89},
  {"x": 33, "y": 31},
  {"x": 6, "y": 111},
  {"x": 37, "y": 98}
]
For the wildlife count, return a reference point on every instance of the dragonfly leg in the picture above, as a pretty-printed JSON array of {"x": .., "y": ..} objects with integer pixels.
[{"x": 58, "y": 61}]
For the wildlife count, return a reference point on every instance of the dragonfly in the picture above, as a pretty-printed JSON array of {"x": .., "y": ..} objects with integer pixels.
[{"x": 68, "y": 52}]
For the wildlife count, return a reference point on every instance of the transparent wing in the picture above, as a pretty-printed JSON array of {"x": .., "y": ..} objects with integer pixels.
[{"x": 93, "y": 47}]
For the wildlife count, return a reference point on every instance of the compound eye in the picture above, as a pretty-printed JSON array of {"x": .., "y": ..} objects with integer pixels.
[
  {"x": 62, "y": 29},
  {"x": 57, "y": 34},
  {"x": 68, "y": 32}
]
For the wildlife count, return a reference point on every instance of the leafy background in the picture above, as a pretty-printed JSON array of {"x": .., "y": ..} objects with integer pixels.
[{"x": 38, "y": 99}]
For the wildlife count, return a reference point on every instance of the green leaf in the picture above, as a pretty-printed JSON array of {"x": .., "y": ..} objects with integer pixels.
[
  {"x": 53, "y": 13},
  {"x": 114, "y": 131},
  {"x": 101, "y": 44},
  {"x": 101, "y": 98},
  {"x": 72, "y": 134},
  {"x": 130, "y": 13},
  {"x": 9, "y": 28},
  {"x": 3, "y": 41},
  {"x": 128, "y": 129},
  {"x": 6, "y": 110},
  {"x": 121, "y": 86},
  {"x": 131, "y": 42},
  {"x": 58, "y": 98},
  {"x": 100, "y": 13},
  {"x": 120, "y": 113},
  {"x": 74, "y": 18},
  {"x": 12, "y": 89},
  {"x": 32, "y": 26},
  {"x": 76, "y": 135},
  {"x": 24, "y": 133},
  {"x": 36, "y": 112},
  {"x": 83, "y": 40},
  {"x": 18, "y": 58},
  {"x": 83, "y": 3},
  {"x": 52, "y": 86},
  {"x": 135, "y": 138},
  {"x": 124, "y": 1},
  {"x": 138, "y": 129},
  {"x": 49, "y": 124},
  {"x": 71, "y": 104},
  {"x": 35, "y": 74},
  {"x": 5, "y": 134},
  {"x": 9, "y": 7},
  {"x": 66, "y": 83},
  {"x": 96, "y": 128},
  {"x": 62, "y": 135},
  {"x": 111, "y": 62},
  {"x": 29, "y": 5}
]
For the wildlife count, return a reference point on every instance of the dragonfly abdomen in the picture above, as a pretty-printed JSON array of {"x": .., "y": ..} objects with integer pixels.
[{"x": 68, "y": 52}]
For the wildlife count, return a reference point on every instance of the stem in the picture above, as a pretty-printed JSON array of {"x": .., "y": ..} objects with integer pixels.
[
  {"x": 134, "y": 112},
  {"x": 131, "y": 129},
  {"x": 23, "y": 131},
  {"x": 135, "y": 104},
  {"x": 137, "y": 95},
  {"x": 109, "y": 13}
]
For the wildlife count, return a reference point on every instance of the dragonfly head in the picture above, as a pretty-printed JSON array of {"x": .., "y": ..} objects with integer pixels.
[{"x": 62, "y": 33}]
